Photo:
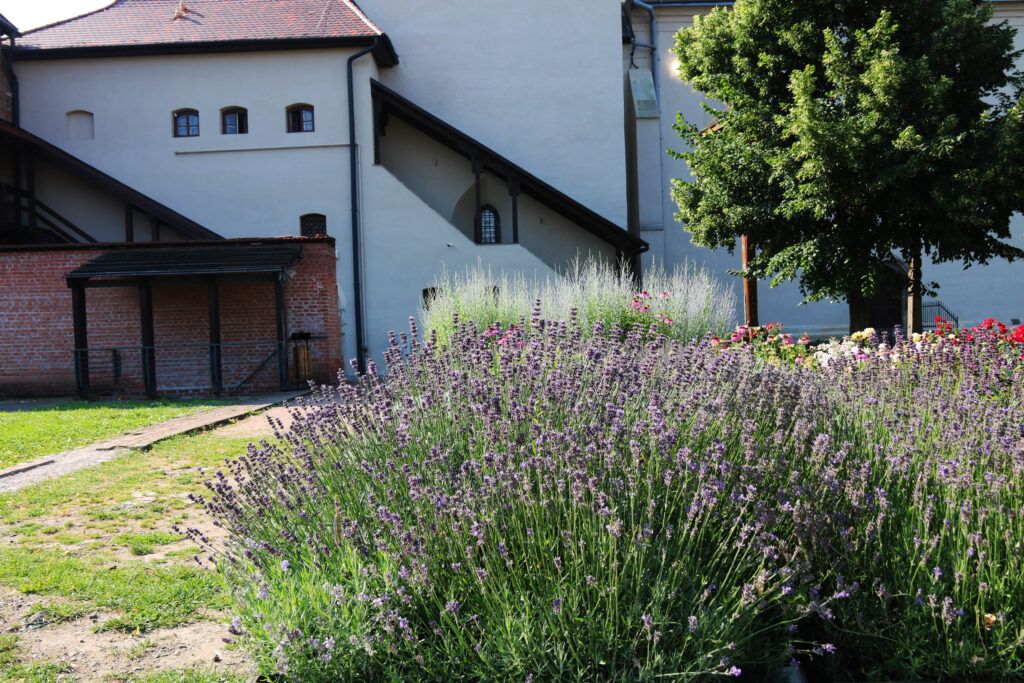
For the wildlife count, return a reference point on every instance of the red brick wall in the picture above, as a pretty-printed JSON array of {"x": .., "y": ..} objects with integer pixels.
[{"x": 36, "y": 332}]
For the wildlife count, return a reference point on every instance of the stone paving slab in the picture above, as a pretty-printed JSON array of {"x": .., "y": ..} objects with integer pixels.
[{"x": 51, "y": 466}]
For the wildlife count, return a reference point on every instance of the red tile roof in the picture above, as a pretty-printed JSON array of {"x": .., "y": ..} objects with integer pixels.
[{"x": 139, "y": 23}]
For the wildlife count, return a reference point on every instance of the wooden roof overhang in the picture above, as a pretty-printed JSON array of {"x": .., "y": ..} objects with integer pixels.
[
  {"x": 387, "y": 102},
  {"x": 42, "y": 149},
  {"x": 128, "y": 266},
  {"x": 229, "y": 258}
]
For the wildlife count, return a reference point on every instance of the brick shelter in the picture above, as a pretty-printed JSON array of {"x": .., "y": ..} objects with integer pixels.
[{"x": 168, "y": 319}]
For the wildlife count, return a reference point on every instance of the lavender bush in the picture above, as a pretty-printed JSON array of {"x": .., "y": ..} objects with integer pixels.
[{"x": 537, "y": 503}]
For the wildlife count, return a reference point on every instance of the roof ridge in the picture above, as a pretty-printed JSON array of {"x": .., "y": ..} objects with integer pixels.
[
  {"x": 362, "y": 15},
  {"x": 74, "y": 18}
]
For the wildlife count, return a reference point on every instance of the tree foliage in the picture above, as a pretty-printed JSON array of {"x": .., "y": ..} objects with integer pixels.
[{"x": 851, "y": 132}]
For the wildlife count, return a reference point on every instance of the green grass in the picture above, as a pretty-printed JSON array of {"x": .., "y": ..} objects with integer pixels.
[
  {"x": 186, "y": 676},
  {"x": 77, "y": 539},
  {"x": 29, "y": 434}
]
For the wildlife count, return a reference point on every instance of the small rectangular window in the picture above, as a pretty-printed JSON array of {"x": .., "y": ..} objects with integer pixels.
[
  {"x": 300, "y": 119},
  {"x": 235, "y": 121}
]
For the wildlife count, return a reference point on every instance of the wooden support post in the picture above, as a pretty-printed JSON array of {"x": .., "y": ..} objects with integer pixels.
[
  {"x": 129, "y": 223},
  {"x": 30, "y": 187},
  {"x": 282, "y": 331},
  {"x": 477, "y": 228},
  {"x": 750, "y": 313},
  {"x": 915, "y": 317},
  {"x": 148, "y": 338},
  {"x": 154, "y": 230},
  {"x": 81, "y": 352},
  {"x": 216, "y": 353},
  {"x": 513, "y": 191}
]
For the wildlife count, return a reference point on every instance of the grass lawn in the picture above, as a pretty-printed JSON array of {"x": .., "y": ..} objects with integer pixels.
[
  {"x": 99, "y": 543},
  {"x": 29, "y": 434}
]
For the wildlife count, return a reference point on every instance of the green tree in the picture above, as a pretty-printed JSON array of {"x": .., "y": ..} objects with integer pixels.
[{"x": 852, "y": 132}]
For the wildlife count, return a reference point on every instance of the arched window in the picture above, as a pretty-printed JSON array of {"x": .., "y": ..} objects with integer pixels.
[
  {"x": 186, "y": 123},
  {"x": 313, "y": 225},
  {"x": 234, "y": 121},
  {"x": 81, "y": 125},
  {"x": 488, "y": 226},
  {"x": 300, "y": 118}
]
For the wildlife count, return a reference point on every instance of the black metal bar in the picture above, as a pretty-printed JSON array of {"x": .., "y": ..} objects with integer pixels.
[
  {"x": 129, "y": 223},
  {"x": 282, "y": 331},
  {"x": 216, "y": 365},
  {"x": 78, "y": 316},
  {"x": 148, "y": 338}
]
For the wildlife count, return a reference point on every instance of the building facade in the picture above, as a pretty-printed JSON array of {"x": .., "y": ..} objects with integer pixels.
[{"x": 417, "y": 138}]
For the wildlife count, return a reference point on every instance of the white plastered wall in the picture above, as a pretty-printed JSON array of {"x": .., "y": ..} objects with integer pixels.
[
  {"x": 444, "y": 180},
  {"x": 538, "y": 81}
]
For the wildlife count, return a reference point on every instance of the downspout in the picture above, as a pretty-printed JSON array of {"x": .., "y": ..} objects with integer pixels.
[
  {"x": 357, "y": 266},
  {"x": 653, "y": 47}
]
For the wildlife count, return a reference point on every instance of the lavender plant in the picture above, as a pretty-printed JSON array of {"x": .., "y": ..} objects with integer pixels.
[{"x": 539, "y": 503}]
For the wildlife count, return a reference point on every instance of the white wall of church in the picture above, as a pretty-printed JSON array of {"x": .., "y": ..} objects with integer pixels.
[
  {"x": 537, "y": 81},
  {"x": 996, "y": 289}
]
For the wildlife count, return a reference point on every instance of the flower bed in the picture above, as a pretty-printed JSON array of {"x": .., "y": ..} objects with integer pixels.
[{"x": 536, "y": 503}]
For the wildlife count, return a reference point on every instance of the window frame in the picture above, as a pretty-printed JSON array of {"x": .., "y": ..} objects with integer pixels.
[
  {"x": 300, "y": 109},
  {"x": 480, "y": 236},
  {"x": 307, "y": 218},
  {"x": 175, "y": 128},
  {"x": 241, "y": 122}
]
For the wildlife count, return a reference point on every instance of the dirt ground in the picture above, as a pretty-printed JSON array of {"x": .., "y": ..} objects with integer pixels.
[{"x": 92, "y": 656}]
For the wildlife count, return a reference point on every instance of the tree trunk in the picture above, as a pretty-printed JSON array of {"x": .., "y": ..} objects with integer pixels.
[
  {"x": 915, "y": 319},
  {"x": 859, "y": 317}
]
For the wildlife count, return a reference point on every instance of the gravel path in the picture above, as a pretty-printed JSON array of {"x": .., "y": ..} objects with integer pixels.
[{"x": 51, "y": 466}]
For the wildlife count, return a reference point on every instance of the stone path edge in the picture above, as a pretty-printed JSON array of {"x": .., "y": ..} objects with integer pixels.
[{"x": 52, "y": 466}]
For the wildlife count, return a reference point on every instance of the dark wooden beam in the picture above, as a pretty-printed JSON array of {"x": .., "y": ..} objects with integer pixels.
[
  {"x": 81, "y": 352},
  {"x": 282, "y": 331},
  {"x": 750, "y": 312},
  {"x": 30, "y": 188},
  {"x": 129, "y": 223},
  {"x": 154, "y": 230},
  {"x": 216, "y": 356},
  {"x": 513, "y": 191},
  {"x": 478, "y": 168},
  {"x": 148, "y": 337}
]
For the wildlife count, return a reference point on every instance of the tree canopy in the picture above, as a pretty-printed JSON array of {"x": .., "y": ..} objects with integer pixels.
[{"x": 852, "y": 132}]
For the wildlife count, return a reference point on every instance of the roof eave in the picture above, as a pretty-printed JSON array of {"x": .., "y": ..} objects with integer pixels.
[
  {"x": 384, "y": 55},
  {"x": 7, "y": 28}
]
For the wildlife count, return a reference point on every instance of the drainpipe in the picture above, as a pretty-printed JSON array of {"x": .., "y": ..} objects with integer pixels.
[
  {"x": 357, "y": 265},
  {"x": 653, "y": 47}
]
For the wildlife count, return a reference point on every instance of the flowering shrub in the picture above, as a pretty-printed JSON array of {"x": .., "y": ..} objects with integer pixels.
[
  {"x": 769, "y": 343},
  {"x": 537, "y": 503},
  {"x": 684, "y": 304}
]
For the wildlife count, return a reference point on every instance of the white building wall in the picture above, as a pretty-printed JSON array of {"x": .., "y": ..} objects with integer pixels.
[
  {"x": 996, "y": 289},
  {"x": 251, "y": 185},
  {"x": 536, "y": 80},
  {"x": 259, "y": 184}
]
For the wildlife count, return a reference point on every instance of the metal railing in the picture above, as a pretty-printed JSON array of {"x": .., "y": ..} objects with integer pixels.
[
  {"x": 930, "y": 310},
  {"x": 20, "y": 210}
]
